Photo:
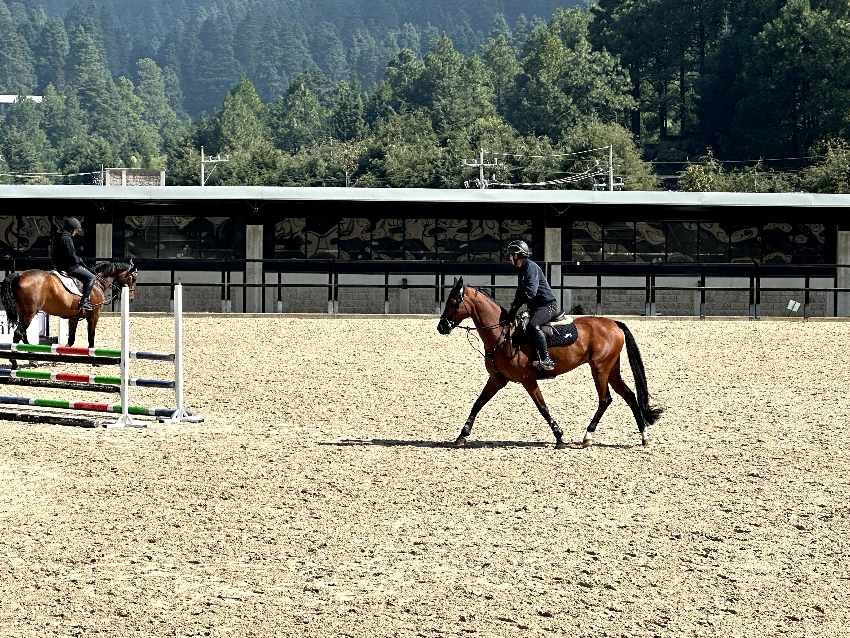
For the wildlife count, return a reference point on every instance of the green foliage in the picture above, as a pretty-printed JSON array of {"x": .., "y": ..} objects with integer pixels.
[{"x": 832, "y": 173}]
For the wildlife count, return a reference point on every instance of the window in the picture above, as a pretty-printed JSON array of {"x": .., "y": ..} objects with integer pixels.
[
  {"x": 619, "y": 241},
  {"x": 363, "y": 238},
  {"x": 289, "y": 238},
  {"x": 388, "y": 239},
  {"x": 485, "y": 240},
  {"x": 321, "y": 236},
  {"x": 355, "y": 239},
  {"x": 587, "y": 241},
  {"x": 31, "y": 235},
  {"x": 682, "y": 242},
  {"x": 713, "y": 243},
  {"x": 651, "y": 242},
  {"x": 183, "y": 237},
  {"x": 744, "y": 243},
  {"x": 420, "y": 239}
]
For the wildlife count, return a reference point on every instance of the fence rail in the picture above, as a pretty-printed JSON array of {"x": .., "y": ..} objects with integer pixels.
[{"x": 566, "y": 278}]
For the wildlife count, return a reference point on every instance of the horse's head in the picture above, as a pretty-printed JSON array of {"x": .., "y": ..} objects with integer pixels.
[
  {"x": 121, "y": 274},
  {"x": 456, "y": 309}
]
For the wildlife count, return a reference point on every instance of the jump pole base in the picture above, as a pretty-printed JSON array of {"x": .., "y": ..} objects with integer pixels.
[
  {"x": 125, "y": 421},
  {"x": 182, "y": 416}
]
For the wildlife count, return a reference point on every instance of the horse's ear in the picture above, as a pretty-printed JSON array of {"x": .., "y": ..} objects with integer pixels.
[{"x": 460, "y": 286}]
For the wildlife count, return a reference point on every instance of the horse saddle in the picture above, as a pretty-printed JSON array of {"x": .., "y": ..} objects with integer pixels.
[
  {"x": 561, "y": 331},
  {"x": 69, "y": 283}
]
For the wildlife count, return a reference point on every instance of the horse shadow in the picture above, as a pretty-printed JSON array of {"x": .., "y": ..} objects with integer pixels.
[{"x": 470, "y": 445}]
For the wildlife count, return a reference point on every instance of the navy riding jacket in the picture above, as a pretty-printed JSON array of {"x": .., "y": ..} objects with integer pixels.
[{"x": 533, "y": 289}]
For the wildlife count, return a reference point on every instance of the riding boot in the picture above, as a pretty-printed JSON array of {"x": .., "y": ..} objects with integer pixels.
[{"x": 544, "y": 362}]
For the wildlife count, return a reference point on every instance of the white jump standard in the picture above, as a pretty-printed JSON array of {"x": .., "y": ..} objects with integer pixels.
[{"x": 101, "y": 383}]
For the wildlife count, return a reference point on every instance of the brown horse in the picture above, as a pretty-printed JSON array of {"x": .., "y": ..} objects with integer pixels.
[
  {"x": 599, "y": 344},
  {"x": 31, "y": 291}
]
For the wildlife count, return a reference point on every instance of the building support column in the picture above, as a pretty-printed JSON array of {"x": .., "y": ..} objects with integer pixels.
[
  {"x": 254, "y": 270},
  {"x": 103, "y": 241},
  {"x": 843, "y": 274},
  {"x": 552, "y": 254}
]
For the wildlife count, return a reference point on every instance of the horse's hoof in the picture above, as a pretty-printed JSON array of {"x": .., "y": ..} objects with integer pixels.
[
  {"x": 587, "y": 442},
  {"x": 645, "y": 440},
  {"x": 459, "y": 442},
  {"x": 560, "y": 445}
]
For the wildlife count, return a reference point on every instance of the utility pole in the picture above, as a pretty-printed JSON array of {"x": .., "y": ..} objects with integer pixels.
[
  {"x": 214, "y": 161},
  {"x": 611, "y": 168},
  {"x": 480, "y": 165}
]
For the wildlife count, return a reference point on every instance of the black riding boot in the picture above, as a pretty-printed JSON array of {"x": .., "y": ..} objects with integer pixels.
[{"x": 544, "y": 362}]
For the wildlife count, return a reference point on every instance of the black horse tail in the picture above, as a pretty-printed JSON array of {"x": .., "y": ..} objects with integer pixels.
[
  {"x": 7, "y": 295},
  {"x": 650, "y": 413}
]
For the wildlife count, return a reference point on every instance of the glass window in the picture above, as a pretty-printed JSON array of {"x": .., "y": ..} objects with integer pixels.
[
  {"x": 587, "y": 241},
  {"x": 745, "y": 243},
  {"x": 776, "y": 243},
  {"x": 809, "y": 244},
  {"x": 388, "y": 239},
  {"x": 420, "y": 239},
  {"x": 713, "y": 243},
  {"x": 682, "y": 242},
  {"x": 140, "y": 236},
  {"x": 28, "y": 235},
  {"x": 485, "y": 240},
  {"x": 183, "y": 237},
  {"x": 453, "y": 239},
  {"x": 289, "y": 238},
  {"x": 321, "y": 237},
  {"x": 651, "y": 242},
  {"x": 619, "y": 238},
  {"x": 355, "y": 238}
]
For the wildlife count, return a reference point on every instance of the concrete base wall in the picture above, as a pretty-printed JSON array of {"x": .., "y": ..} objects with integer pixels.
[{"x": 355, "y": 299}]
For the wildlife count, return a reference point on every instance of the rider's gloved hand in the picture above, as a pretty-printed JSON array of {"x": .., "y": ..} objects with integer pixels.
[{"x": 512, "y": 313}]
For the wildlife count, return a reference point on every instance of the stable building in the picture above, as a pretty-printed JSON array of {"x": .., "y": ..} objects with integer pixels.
[{"x": 269, "y": 249}]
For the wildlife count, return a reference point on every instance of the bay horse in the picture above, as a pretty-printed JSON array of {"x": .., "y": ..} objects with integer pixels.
[
  {"x": 599, "y": 344},
  {"x": 25, "y": 294}
]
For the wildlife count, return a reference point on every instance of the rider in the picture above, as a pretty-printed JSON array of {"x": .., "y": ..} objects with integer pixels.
[
  {"x": 65, "y": 258},
  {"x": 534, "y": 290}
]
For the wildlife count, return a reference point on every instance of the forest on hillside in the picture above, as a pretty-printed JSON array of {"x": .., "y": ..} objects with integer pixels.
[{"x": 711, "y": 94}]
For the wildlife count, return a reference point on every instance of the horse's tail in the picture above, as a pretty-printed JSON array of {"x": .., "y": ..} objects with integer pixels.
[
  {"x": 650, "y": 413},
  {"x": 7, "y": 295}
]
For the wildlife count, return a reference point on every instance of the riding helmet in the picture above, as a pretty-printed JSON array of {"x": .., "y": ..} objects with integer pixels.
[
  {"x": 71, "y": 224},
  {"x": 519, "y": 247}
]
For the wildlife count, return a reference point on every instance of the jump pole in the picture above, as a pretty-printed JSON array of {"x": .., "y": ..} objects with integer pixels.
[
  {"x": 125, "y": 420},
  {"x": 181, "y": 414}
]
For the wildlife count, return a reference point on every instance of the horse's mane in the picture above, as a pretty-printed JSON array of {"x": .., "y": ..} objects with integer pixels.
[
  {"x": 106, "y": 267},
  {"x": 504, "y": 310}
]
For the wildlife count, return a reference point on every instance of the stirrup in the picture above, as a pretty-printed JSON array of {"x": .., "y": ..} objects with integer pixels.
[
  {"x": 86, "y": 306},
  {"x": 546, "y": 365}
]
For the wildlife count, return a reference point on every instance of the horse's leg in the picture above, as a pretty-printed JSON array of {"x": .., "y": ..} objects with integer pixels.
[
  {"x": 600, "y": 378},
  {"x": 494, "y": 384},
  {"x": 620, "y": 387},
  {"x": 537, "y": 396},
  {"x": 72, "y": 330},
  {"x": 91, "y": 324},
  {"x": 26, "y": 317}
]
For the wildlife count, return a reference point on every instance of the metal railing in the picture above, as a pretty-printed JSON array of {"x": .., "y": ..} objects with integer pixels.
[{"x": 275, "y": 277}]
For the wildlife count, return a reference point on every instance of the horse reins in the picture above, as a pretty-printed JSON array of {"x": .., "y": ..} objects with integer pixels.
[{"x": 486, "y": 354}]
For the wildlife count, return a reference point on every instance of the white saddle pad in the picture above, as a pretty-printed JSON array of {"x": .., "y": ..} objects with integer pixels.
[{"x": 70, "y": 284}]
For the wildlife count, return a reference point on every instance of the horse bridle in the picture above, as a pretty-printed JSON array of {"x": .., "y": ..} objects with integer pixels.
[{"x": 487, "y": 354}]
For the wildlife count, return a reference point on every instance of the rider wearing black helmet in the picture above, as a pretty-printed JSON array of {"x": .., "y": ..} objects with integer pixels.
[
  {"x": 65, "y": 258},
  {"x": 533, "y": 289}
]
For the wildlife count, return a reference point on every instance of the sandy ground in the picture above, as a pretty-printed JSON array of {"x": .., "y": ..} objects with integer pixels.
[{"x": 318, "y": 499}]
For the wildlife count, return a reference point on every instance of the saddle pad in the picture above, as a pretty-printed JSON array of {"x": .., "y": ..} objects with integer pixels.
[
  {"x": 563, "y": 333},
  {"x": 69, "y": 284}
]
